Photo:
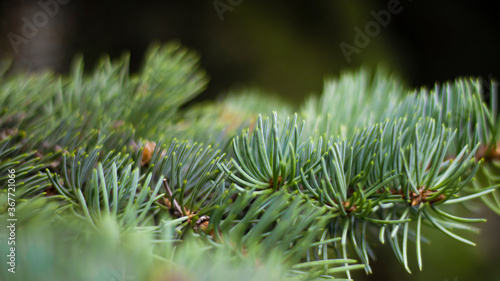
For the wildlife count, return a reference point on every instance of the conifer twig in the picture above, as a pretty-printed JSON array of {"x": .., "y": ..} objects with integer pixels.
[{"x": 169, "y": 192}]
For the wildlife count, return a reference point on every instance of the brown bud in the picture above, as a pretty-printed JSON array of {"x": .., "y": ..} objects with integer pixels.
[
  {"x": 202, "y": 223},
  {"x": 147, "y": 154}
]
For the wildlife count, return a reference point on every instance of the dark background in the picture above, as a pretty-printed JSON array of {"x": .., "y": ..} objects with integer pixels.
[{"x": 287, "y": 47}]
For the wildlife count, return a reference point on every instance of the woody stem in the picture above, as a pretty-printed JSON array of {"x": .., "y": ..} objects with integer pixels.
[{"x": 169, "y": 192}]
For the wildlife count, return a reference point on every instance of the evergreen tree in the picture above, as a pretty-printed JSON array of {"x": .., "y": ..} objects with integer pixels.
[{"x": 110, "y": 177}]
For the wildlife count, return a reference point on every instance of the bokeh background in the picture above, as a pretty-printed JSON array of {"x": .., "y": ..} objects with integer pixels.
[{"x": 288, "y": 48}]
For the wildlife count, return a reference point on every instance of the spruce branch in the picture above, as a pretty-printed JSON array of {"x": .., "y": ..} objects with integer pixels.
[{"x": 368, "y": 162}]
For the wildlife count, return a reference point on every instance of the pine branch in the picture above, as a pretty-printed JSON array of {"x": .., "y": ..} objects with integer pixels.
[{"x": 367, "y": 162}]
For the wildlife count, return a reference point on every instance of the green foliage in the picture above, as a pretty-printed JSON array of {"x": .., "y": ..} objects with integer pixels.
[{"x": 129, "y": 179}]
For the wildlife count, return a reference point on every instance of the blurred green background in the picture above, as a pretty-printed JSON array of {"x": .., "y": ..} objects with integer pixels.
[{"x": 289, "y": 48}]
